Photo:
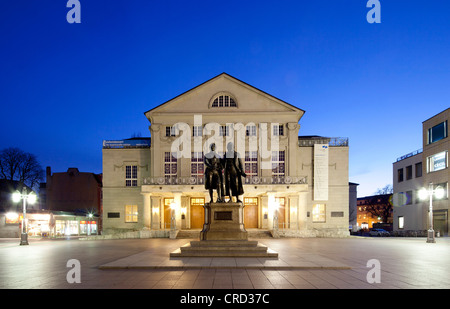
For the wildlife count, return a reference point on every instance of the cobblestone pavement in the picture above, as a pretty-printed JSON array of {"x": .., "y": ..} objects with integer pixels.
[{"x": 404, "y": 263}]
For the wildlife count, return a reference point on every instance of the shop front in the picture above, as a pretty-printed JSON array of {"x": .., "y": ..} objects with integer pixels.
[{"x": 52, "y": 224}]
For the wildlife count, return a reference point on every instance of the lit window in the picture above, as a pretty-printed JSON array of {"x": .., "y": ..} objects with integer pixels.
[
  {"x": 401, "y": 222},
  {"x": 131, "y": 213},
  {"x": 318, "y": 213},
  {"x": 437, "y": 162}
]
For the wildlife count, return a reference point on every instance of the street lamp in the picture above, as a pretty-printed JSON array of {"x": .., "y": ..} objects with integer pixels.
[
  {"x": 90, "y": 216},
  {"x": 31, "y": 198},
  {"x": 423, "y": 195}
]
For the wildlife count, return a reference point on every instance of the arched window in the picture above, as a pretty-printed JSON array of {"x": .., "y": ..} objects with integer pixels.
[{"x": 224, "y": 100}]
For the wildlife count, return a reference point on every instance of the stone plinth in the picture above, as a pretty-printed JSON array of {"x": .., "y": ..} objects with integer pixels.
[
  {"x": 224, "y": 248},
  {"x": 224, "y": 221},
  {"x": 224, "y": 235}
]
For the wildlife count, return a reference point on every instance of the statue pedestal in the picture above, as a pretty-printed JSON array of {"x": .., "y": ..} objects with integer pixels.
[
  {"x": 224, "y": 235},
  {"x": 224, "y": 221}
]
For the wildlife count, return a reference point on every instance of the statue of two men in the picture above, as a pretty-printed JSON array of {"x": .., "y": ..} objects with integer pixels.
[{"x": 231, "y": 164}]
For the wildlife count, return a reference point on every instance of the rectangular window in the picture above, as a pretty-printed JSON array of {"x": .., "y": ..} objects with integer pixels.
[
  {"x": 401, "y": 222},
  {"x": 113, "y": 214},
  {"x": 131, "y": 213},
  {"x": 250, "y": 130},
  {"x": 131, "y": 176},
  {"x": 409, "y": 172},
  {"x": 224, "y": 131},
  {"x": 419, "y": 169},
  {"x": 197, "y": 131},
  {"x": 437, "y": 162},
  {"x": 409, "y": 198},
  {"x": 170, "y": 168},
  {"x": 318, "y": 213},
  {"x": 278, "y": 130},
  {"x": 197, "y": 166},
  {"x": 437, "y": 132},
  {"x": 251, "y": 163},
  {"x": 170, "y": 131},
  {"x": 400, "y": 175},
  {"x": 278, "y": 164},
  {"x": 250, "y": 201}
]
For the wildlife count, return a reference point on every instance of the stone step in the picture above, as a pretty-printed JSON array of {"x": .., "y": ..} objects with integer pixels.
[
  {"x": 195, "y": 234},
  {"x": 224, "y": 243},
  {"x": 266, "y": 254},
  {"x": 189, "y": 248},
  {"x": 224, "y": 248}
]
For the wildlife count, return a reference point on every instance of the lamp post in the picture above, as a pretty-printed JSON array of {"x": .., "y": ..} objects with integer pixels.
[
  {"x": 31, "y": 198},
  {"x": 88, "y": 232},
  {"x": 423, "y": 195}
]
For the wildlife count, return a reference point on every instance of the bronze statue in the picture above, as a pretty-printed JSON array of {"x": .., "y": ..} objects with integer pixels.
[
  {"x": 213, "y": 174},
  {"x": 233, "y": 173}
]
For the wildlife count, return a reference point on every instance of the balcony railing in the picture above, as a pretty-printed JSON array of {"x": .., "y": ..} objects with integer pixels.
[
  {"x": 251, "y": 180},
  {"x": 410, "y": 154},
  {"x": 330, "y": 141}
]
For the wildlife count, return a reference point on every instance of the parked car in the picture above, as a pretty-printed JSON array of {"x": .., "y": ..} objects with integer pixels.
[{"x": 379, "y": 232}]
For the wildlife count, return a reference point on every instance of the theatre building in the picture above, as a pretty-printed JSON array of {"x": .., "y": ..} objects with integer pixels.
[{"x": 297, "y": 185}]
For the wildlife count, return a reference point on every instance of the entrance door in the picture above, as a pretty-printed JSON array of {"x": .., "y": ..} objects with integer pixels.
[
  {"x": 251, "y": 212},
  {"x": 167, "y": 212},
  {"x": 440, "y": 222},
  {"x": 197, "y": 212}
]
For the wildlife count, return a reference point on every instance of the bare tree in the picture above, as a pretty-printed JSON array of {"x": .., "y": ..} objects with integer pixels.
[
  {"x": 15, "y": 164},
  {"x": 380, "y": 205}
]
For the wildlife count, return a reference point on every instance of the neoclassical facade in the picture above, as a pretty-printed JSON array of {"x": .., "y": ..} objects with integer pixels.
[{"x": 297, "y": 185}]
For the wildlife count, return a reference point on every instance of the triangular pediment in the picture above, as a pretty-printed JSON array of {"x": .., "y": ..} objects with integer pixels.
[{"x": 246, "y": 98}]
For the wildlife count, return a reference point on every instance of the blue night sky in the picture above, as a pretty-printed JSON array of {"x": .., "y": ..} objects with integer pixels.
[{"x": 64, "y": 88}]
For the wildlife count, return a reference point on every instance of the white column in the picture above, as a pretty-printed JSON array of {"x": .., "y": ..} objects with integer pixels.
[
  {"x": 177, "y": 201},
  {"x": 155, "y": 212},
  {"x": 302, "y": 210},
  {"x": 147, "y": 213}
]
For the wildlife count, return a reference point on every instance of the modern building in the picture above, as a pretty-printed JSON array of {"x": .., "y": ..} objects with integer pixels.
[
  {"x": 409, "y": 211},
  {"x": 295, "y": 184},
  {"x": 436, "y": 172},
  {"x": 424, "y": 168}
]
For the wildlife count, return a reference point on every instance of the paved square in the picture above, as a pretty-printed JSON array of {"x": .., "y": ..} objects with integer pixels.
[{"x": 308, "y": 263}]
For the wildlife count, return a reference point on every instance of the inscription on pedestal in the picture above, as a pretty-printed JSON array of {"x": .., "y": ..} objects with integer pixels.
[{"x": 223, "y": 215}]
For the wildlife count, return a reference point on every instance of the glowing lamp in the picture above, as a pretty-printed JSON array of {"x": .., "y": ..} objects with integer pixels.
[{"x": 16, "y": 196}]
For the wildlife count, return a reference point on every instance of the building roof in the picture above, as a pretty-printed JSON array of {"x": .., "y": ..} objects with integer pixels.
[{"x": 236, "y": 79}]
